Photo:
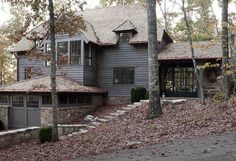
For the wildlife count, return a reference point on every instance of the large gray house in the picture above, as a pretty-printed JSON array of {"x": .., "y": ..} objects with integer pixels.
[{"x": 105, "y": 61}]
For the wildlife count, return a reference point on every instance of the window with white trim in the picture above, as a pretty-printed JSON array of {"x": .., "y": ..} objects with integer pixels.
[
  {"x": 68, "y": 52},
  {"x": 88, "y": 55}
]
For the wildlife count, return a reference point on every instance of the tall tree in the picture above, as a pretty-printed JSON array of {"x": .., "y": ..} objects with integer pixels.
[
  {"x": 167, "y": 8},
  {"x": 196, "y": 71},
  {"x": 66, "y": 21},
  {"x": 201, "y": 19},
  {"x": 55, "y": 136},
  {"x": 225, "y": 46},
  {"x": 155, "y": 109},
  {"x": 8, "y": 32}
]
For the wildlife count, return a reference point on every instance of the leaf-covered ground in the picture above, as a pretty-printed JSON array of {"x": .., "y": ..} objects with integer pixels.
[{"x": 186, "y": 120}]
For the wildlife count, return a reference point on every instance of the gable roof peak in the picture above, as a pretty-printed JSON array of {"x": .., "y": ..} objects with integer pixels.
[{"x": 127, "y": 25}]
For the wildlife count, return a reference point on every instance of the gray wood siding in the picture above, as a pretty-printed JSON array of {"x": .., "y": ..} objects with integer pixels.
[
  {"x": 74, "y": 72},
  {"x": 124, "y": 55},
  {"x": 90, "y": 72},
  {"x": 25, "y": 62}
]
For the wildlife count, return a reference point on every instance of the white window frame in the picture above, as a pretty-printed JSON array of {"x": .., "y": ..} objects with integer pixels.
[{"x": 64, "y": 38}]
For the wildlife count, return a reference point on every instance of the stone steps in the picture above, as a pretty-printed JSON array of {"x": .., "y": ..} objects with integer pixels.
[{"x": 94, "y": 122}]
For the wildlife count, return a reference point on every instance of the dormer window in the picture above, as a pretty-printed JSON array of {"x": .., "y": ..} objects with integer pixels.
[
  {"x": 125, "y": 31},
  {"x": 124, "y": 36}
]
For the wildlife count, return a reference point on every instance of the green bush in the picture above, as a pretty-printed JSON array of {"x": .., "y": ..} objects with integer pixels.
[
  {"x": 45, "y": 134},
  {"x": 137, "y": 94},
  {"x": 147, "y": 95}
]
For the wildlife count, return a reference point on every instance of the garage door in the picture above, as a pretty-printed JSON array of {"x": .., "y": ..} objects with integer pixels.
[{"x": 25, "y": 111}]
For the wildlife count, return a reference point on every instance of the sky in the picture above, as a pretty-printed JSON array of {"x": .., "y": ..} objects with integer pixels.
[
  {"x": 5, "y": 12},
  {"x": 4, "y": 9}
]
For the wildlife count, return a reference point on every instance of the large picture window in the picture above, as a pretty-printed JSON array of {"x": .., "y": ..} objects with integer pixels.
[
  {"x": 123, "y": 75},
  {"x": 179, "y": 79}
]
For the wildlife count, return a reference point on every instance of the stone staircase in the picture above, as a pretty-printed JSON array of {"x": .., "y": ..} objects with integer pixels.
[
  {"x": 210, "y": 89},
  {"x": 77, "y": 129}
]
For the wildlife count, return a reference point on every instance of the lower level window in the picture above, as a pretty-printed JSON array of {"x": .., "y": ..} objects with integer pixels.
[
  {"x": 74, "y": 99},
  {"x": 4, "y": 99},
  {"x": 123, "y": 75},
  {"x": 46, "y": 99}
]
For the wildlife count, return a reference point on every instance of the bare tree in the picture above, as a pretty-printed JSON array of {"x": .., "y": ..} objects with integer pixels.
[
  {"x": 225, "y": 46},
  {"x": 196, "y": 71},
  {"x": 155, "y": 109},
  {"x": 55, "y": 136}
]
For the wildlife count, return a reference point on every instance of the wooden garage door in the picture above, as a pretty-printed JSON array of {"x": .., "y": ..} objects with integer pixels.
[{"x": 25, "y": 111}]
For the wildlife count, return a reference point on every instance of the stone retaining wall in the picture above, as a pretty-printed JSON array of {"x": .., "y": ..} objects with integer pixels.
[
  {"x": 12, "y": 137},
  {"x": 114, "y": 100},
  {"x": 68, "y": 115},
  {"x": 4, "y": 116}
]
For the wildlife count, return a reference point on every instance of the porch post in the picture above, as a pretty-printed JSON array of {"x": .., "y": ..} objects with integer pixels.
[{"x": 201, "y": 72}]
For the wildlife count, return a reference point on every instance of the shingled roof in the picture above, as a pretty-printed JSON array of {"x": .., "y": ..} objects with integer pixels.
[
  {"x": 181, "y": 51},
  {"x": 42, "y": 84},
  {"x": 101, "y": 23}
]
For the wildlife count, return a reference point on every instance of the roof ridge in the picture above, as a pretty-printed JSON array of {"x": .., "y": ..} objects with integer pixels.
[{"x": 106, "y": 7}]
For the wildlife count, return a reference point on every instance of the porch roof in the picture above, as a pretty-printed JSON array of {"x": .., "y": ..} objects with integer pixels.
[
  {"x": 182, "y": 51},
  {"x": 42, "y": 85}
]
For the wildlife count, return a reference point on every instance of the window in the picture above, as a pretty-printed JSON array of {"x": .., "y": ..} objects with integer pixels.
[
  {"x": 4, "y": 99},
  {"x": 62, "y": 53},
  {"x": 88, "y": 55},
  {"x": 124, "y": 36},
  {"x": 74, "y": 99},
  {"x": 33, "y": 101},
  {"x": 46, "y": 99},
  {"x": 179, "y": 79},
  {"x": 75, "y": 52},
  {"x": 17, "y": 101},
  {"x": 48, "y": 51},
  {"x": 63, "y": 100},
  {"x": 123, "y": 75},
  {"x": 68, "y": 52},
  {"x": 28, "y": 72},
  {"x": 62, "y": 47}
]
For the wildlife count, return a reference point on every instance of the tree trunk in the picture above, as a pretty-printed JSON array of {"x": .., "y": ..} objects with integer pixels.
[
  {"x": 197, "y": 74},
  {"x": 155, "y": 109},
  {"x": 55, "y": 136},
  {"x": 225, "y": 47}
]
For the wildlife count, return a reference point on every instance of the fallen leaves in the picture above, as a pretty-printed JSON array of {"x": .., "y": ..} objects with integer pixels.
[{"x": 186, "y": 120}]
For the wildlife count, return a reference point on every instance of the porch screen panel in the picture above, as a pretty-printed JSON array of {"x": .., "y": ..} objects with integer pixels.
[
  {"x": 179, "y": 79},
  {"x": 75, "y": 52}
]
